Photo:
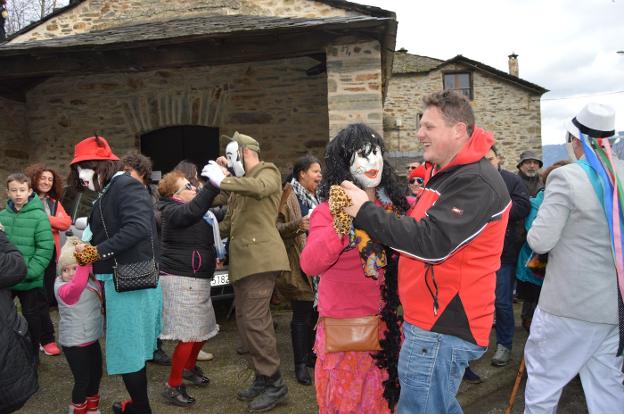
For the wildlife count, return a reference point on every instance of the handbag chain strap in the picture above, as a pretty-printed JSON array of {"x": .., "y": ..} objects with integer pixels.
[{"x": 99, "y": 201}]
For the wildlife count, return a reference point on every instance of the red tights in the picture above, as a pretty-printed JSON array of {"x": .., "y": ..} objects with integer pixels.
[{"x": 184, "y": 357}]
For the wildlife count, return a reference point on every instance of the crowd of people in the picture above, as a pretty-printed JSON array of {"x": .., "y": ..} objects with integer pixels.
[{"x": 394, "y": 284}]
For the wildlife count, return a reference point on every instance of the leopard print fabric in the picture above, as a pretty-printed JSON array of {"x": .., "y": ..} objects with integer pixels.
[
  {"x": 338, "y": 199},
  {"x": 88, "y": 255}
]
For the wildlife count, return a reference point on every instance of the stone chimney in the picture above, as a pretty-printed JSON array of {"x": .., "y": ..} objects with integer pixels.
[{"x": 513, "y": 65}]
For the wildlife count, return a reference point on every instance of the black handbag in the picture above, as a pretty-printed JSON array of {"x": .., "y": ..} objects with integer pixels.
[{"x": 133, "y": 276}]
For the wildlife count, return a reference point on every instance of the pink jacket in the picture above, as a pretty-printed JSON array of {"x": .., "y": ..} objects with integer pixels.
[{"x": 344, "y": 291}]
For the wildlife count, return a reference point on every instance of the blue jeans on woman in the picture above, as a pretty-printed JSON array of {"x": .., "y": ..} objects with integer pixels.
[{"x": 431, "y": 367}]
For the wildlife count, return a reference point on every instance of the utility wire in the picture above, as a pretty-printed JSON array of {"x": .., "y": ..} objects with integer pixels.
[{"x": 583, "y": 96}]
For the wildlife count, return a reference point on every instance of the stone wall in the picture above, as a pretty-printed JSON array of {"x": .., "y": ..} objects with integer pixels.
[
  {"x": 273, "y": 101},
  {"x": 354, "y": 85},
  {"x": 15, "y": 146},
  {"x": 511, "y": 112},
  {"x": 102, "y": 14}
]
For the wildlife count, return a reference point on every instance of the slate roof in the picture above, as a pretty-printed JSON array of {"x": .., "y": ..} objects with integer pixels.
[
  {"x": 189, "y": 28},
  {"x": 341, "y": 4},
  {"x": 407, "y": 63}
]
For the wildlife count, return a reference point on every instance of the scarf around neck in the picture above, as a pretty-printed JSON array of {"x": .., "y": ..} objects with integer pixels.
[{"x": 304, "y": 196}]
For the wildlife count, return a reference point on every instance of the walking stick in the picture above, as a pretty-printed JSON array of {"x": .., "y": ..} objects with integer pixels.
[{"x": 516, "y": 387}]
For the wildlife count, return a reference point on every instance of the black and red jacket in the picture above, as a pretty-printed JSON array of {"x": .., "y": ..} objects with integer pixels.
[{"x": 450, "y": 244}]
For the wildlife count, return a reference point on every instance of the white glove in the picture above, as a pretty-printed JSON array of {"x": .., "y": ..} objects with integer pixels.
[{"x": 213, "y": 172}]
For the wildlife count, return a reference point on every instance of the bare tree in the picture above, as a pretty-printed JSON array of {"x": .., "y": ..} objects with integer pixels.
[{"x": 24, "y": 12}]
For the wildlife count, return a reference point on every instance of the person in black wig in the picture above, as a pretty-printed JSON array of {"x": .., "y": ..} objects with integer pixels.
[{"x": 356, "y": 381}]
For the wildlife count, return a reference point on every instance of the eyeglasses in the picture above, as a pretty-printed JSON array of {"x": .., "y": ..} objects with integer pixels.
[{"x": 187, "y": 186}]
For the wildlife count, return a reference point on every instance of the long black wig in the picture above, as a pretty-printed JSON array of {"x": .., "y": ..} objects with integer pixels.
[{"x": 339, "y": 155}]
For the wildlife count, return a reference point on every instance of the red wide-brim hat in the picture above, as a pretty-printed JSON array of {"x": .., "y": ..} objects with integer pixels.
[{"x": 93, "y": 148}]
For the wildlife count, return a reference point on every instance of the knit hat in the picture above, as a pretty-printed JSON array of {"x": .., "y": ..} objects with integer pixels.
[
  {"x": 244, "y": 141},
  {"x": 93, "y": 148},
  {"x": 67, "y": 257},
  {"x": 419, "y": 172}
]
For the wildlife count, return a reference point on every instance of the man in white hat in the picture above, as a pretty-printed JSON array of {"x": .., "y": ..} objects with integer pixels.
[{"x": 575, "y": 329}]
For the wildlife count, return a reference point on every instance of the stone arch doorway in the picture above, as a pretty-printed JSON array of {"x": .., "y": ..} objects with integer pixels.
[{"x": 168, "y": 146}]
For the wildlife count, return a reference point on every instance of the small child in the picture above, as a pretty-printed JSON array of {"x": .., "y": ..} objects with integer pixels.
[
  {"x": 27, "y": 226},
  {"x": 79, "y": 298}
]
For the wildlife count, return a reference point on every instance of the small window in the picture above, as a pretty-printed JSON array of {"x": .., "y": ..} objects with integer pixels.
[{"x": 460, "y": 82}]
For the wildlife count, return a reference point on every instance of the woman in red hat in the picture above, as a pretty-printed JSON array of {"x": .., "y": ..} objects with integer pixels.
[{"x": 122, "y": 229}]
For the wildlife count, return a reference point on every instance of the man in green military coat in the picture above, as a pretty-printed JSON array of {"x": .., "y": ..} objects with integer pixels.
[{"x": 257, "y": 256}]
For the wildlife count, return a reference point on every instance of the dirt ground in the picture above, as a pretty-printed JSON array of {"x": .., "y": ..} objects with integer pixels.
[{"x": 230, "y": 372}]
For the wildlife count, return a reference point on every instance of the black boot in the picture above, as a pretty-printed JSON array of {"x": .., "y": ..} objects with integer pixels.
[
  {"x": 300, "y": 343},
  {"x": 255, "y": 389},
  {"x": 196, "y": 376},
  {"x": 275, "y": 392},
  {"x": 160, "y": 357},
  {"x": 177, "y": 396}
]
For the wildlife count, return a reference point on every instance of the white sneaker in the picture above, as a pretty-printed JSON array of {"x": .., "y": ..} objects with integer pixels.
[
  {"x": 204, "y": 356},
  {"x": 501, "y": 356}
]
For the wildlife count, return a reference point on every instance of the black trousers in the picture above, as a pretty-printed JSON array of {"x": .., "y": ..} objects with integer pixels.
[
  {"x": 48, "y": 281},
  {"x": 85, "y": 363},
  {"x": 35, "y": 310},
  {"x": 302, "y": 328}
]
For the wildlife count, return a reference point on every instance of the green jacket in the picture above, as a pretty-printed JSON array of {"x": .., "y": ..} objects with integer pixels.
[
  {"x": 29, "y": 230},
  {"x": 255, "y": 244}
]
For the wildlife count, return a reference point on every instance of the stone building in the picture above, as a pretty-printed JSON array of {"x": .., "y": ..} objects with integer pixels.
[
  {"x": 503, "y": 103},
  {"x": 168, "y": 77}
]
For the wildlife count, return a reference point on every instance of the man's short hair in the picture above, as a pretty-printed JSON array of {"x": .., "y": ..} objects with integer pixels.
[
  {"x": 21, "y": 178},
  {"x": 454, "y": 108}
]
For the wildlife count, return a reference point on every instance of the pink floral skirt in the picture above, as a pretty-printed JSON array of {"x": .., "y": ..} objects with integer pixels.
[{"x": 347, "y": 382}]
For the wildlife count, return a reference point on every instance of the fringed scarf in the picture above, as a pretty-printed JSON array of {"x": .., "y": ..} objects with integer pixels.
[
  {"x": 306, "y": 197},
  {"x": 600, "y": 168},
  {"x": 374, "y": 257}
]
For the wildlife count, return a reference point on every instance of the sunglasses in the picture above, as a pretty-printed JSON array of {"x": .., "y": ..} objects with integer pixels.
[
  {"x": 417, "y": 180},
  {"x": 187, "y": 186}
]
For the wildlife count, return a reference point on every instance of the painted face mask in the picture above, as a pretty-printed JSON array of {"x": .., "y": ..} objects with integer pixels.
[
  {"x": 367, "y": 166},
  {"x": 86, "y": 178},
  {"x": 234, "y": 158}
]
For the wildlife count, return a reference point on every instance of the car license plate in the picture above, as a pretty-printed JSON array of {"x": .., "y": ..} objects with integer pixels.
[{"x": 220, "y": 279}]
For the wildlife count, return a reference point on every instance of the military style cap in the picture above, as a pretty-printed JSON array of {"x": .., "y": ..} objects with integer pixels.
[{"x": 244, "y": 140}]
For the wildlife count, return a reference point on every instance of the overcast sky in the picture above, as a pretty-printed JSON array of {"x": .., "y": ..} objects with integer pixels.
[{"x": 567, "y": 46}]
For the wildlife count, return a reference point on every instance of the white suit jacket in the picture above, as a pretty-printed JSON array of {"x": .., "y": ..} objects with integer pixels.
[{"x": 580, "y": 280}]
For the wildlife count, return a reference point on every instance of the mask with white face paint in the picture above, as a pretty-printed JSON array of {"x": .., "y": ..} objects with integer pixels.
[
  {"x": 86, "y": 176},
  {"x": 367, "y": 166},
  {"x": 234, "y": 158}
]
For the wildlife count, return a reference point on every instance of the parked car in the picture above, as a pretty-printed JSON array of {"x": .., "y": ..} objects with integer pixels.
[{"x": 78, "y": 205}]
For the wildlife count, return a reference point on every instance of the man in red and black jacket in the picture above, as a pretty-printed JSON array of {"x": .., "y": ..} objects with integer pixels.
[{"x": 450, "y": 246}]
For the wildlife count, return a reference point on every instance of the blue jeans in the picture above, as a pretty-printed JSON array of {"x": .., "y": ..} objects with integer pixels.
[
  {"x": 504, "y": 305},
  {"x": 431, "y": 367}
]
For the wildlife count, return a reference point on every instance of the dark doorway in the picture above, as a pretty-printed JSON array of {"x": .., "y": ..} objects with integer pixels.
[{"x": 168, "y": 146}]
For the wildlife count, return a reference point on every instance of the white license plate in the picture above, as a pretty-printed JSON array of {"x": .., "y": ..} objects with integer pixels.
[{"x": 220, "y": 279}]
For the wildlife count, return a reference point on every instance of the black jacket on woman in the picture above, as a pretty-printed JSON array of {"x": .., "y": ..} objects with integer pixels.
[
  {"x": 187, "y": 242},
  {"x": 18, "y": 371},
  {"x": 129, "y": 219}
]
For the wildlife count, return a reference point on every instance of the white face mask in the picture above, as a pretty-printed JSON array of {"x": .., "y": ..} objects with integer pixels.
[
  {"x": 234, "y": 159},
  {"x": 367, "y": 166},
  {"x": 86, "y": 177}
]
